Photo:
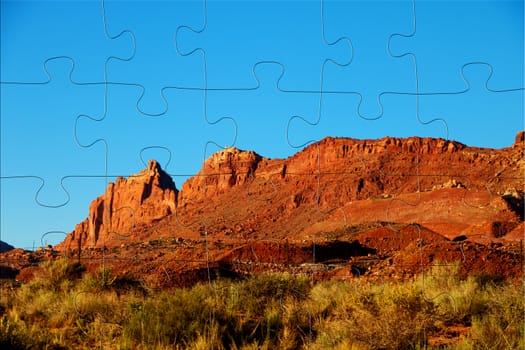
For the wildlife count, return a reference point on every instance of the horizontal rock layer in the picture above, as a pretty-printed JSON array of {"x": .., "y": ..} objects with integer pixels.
[{"x": 241, "y": 192}]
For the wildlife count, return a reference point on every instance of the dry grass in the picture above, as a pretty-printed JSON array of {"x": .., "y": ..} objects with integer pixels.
[{"x": 64, "y": 308}]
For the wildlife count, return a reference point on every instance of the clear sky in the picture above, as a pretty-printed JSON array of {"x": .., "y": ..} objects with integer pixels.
[{"x": 91, "y": 90}]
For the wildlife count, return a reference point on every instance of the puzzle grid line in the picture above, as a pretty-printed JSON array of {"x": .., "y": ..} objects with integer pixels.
[
  {"x": 205, "y": 89},
  {"x": 417, "y": 93}
]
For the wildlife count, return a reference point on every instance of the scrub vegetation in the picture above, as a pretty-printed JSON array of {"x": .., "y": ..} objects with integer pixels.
[{"x": 65, "y": 307}]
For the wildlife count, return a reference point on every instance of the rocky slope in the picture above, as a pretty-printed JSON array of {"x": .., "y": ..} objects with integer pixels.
[
  {"x": 339, "y": 191},
  {"x": 245, "y": 192}
]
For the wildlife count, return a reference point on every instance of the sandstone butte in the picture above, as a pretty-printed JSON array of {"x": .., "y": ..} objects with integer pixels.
[{"x": 447, "y": 187}]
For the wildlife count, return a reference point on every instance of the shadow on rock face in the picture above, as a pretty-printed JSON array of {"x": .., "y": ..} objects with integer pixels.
[
  {"x": 8, "y": 272},
  {"x": 341, "y": 250},
  {"x": 516, "y": 202}
]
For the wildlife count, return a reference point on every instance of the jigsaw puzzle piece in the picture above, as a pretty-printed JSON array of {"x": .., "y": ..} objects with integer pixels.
[
  {"x": 449, "y": 34},
  {"x": 332, "y": 117},
  {"x": 474, "y": 113},
  {"x": 47, "y": 225},
  {"x": 373, "y": 71},
  {"x": 37, "y": 131},
  {"x": 182, "y": 135},
  {"x": 429, "y": 187},
  {"x": 49, "y": 235},
  {"x": 237, "y": 35},
  {"x": 262, "y": 113},
  {"x": 161, "y": 154},
  {"x": 155, "y": 65},
  {"x": 33, "y": 31}
]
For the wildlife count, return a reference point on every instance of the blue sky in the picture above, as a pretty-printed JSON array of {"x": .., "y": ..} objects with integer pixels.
[{"x": 92, "y": 90}]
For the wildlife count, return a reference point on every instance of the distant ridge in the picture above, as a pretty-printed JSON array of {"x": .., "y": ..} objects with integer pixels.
[{"x": 4, "y": 247}]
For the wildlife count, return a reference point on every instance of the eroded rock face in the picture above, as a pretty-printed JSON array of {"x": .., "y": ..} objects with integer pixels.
[
  {"x": 238, "y": 191},
  {"x": 254, "y": 214},
  {"x": 128, "y": 203},
  {"x": 369, "y": 164},
  {"x": 222, "y": 171}
]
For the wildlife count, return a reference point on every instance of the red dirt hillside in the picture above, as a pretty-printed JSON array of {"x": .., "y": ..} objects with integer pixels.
[{"x": 349, "y": 205}]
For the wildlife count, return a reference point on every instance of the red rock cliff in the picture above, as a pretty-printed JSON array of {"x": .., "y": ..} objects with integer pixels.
[
  {"x": 140, "y": 199},
  {"x": 222, "y": 171},
  {"x": 235, "y": 185}
]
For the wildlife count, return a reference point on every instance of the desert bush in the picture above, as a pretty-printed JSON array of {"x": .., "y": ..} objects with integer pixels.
[
  {"x": 267, "y": 308},
  {"x": 57, "y": 275},
  {"x": 171, "y": 317},
  {"x": 16, "y": 335},
  {"x": 228, "y": 314},
  {"x": 56, "y": 310},
  {"x": 500, "y": 325},
  {"x": 11, "y": 337},
  {"x": 396, "y": 318},
  {"x": 98, "y": 280},
  {"x": 256, "y": 292}
]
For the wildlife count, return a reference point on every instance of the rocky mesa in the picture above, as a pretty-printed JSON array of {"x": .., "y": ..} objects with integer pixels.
[{"x": 453, "y": 188}]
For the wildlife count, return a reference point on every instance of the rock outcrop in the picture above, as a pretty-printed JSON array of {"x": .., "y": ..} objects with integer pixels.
[
  {"x": 337, "y": 170},
  {"x": 241, "y": 192},
  {"x": 127, "y": 204},
  {"x": 222, "y": 171}
]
